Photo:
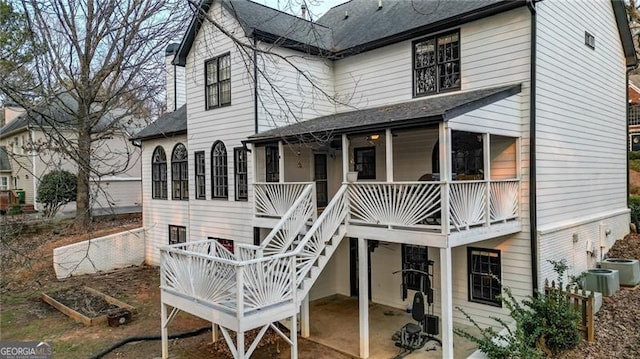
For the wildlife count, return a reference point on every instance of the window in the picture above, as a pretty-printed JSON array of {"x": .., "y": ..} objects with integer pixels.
[
  {"x": 416, "y": 258},
  {"x": 273, "y": 164},
  {"x": 219, "y": 181},
  {"x": 179, "y": 173},
  {"x": 320, "y": 174},
  {"x": 436, "y": 64},
  {"x": 159, "y": 174},
  {"x": 4, "y": 183},
  {"x": 218, "y": 81},
  {"x": 484, "y": 276},
  {"x": 177, "y": 234},
  {"x": 200, "y": 181},
  {"x": 365, "y": 162},
  {"x": 240, "y": 173},
  {"x": 226, "y": 243}
]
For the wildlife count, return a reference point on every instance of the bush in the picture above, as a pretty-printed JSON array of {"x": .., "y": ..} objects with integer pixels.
[
  {"x": 634, "y": 205},
  {"x": 56, "y": 189},
  {"x": 634, "y": 155},
  {"x": 544, "y": 325}
]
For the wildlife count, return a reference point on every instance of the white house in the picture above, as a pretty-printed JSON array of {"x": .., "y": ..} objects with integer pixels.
[{"x": 488, "y": 137}]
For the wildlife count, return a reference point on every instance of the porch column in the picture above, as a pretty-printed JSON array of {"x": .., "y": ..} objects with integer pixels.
[
  {"x": 446, "y": 298},
  {"x": 345, "y": 157},
  {"x": 304, "y": 317},
  {"x": 444, "y": 140},
  {"x": 215, "y": 335},
  {"x": 164, "y": 331},
  {"x": 280, "y": 162},
  {"x": 363, "y": 300},
  {"x": 388, "y": 136},
  {"x": 254, "y": 164},
  {"x": 486, "y": 150}
]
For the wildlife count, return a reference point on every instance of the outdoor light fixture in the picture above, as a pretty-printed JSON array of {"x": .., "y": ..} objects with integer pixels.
[{"x": 373, "y": 137}]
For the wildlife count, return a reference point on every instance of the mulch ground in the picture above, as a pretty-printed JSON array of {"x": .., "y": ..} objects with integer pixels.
[{"x": 618, "y": 321}]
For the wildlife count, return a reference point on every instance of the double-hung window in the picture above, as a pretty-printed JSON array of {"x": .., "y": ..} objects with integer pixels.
[
  {"x": 484, "y": 276},
  {"x": 179, "y": 173},
  {"x": 177, "y": 234},
  {"x": 218, "y": 81},
  {"x": 365, "y": 162},
  {"x": 219, "y": 182},
  {"x": 200, "y": 181},
  {"x": 240, "y": 173},
  {"x": 436, "y": 64},
  {"x": 272, "y": 157},
  {"x": 159, "y": 174}
]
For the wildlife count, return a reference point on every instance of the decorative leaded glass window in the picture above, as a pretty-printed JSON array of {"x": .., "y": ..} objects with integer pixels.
[
  {"x": 240, "y": 172},
  {"x": 436, "y": 64},
  {"x": 484, "y": 276},
  {"x": 179, "y": 173},
  {"x": 218, "y": 81},
  {"x": 200, "y": 181},
  {"x": 219, "y": 182},
  {"x": 159, "y": 174}
]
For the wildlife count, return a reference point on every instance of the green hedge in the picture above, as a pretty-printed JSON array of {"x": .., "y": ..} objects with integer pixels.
[
  {"x": 634, "y": 155},
  {"x": 634, "y": 205}
]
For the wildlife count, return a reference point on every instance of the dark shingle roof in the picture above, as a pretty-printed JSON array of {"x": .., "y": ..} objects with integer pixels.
[
  {"x": 169, "y": 124},
  {"x": 366, "y": 23},
  {"x": 407, "y": 114},
  {"x": 5, "y": 165}
]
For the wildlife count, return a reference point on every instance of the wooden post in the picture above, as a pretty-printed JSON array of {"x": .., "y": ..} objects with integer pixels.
[
  {"x": 446, "y": 295},
  {"x": 215, "y": 335},
  {"x": 445, "y": 174},
  {"x": 280, "y": 162},
  {"x": 164, "y": 331},
  {"x": 304, "y": 317},
  {"x": 388, "y": 136},
  {"x": 345, "y": 157},
  {"x": 294, "y": 318},
  {"x": 486, "y": 149},
  {"x": 363, "y": 286}
]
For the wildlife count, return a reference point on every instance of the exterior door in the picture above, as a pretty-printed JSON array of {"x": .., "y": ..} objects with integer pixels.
[{"x": 320, "y": 176}]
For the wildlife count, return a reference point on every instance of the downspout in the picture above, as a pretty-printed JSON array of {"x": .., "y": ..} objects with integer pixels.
[
  {"x": 33, "y": 169},
  {"x": 255, "y": 85},
  {"x": 175, "y": 87},
  {"x": 533, "y": 215}
]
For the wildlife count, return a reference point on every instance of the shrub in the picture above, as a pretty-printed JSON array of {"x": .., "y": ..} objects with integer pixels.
[
  {"x": 634, "y": 205},
  {"x": 544, "y": 325},
  {"x": 56, "y": 189},
  {"x": 634, "y": 155}
]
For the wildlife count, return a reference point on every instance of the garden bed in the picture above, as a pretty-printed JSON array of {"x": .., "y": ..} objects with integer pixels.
[{"x": 85, "y": 305}]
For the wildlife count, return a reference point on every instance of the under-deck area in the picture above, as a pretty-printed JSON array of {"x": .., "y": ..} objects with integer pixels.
[{"x": 334, "y": 323}]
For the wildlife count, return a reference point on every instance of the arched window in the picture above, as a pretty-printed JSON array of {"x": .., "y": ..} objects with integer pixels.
[
  {"x": 179, "y": 173},
  {"x": 219, "y": 182},
  {"x": 159, "y": 174}
]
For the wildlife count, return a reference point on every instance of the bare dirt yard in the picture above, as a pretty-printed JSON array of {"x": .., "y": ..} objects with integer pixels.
[
  {"x": 26, "y": 269},
  {"x": 27, "y": 272}
]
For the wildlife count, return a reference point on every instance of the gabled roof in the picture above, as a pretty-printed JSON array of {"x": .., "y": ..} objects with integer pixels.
[
  {"x": 167, "y": 125},
  {"x": 622, "y": 22},
  {"x": 5, "y": 165},
  {"x": 408, "y": 114},
  {"x": 58, "y": 113},
  {"x": 364, "y": 28}
]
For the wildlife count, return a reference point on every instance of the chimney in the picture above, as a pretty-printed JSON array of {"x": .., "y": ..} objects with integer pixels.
[
  {"x": 175, "y": 86},
  {"x": 303, "y": 10},
  {"x": 379, "y": 4},
  {"x": 11, "y": 111}
]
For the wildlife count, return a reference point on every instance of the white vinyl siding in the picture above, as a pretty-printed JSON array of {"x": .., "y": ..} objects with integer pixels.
[
  {"x": 292, "y": 87},
  {"x": 158, "y": 214},
  {"x": 220, "y": 217},
  {"x": 581, "y": 123}
]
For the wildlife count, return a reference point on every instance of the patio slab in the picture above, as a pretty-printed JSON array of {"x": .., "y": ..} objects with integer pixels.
[{"x": 334, "y": 323}]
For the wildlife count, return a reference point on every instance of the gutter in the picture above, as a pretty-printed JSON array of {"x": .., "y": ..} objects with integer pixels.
[
  {"x": 533, "y": 214},
  {"x": 255, "y": 87}
]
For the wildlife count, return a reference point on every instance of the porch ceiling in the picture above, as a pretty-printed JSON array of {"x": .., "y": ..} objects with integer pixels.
[{"x": 407, "y": 114}]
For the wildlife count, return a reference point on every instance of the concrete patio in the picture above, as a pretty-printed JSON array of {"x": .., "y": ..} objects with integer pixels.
[{"x": 334, "y": 323}]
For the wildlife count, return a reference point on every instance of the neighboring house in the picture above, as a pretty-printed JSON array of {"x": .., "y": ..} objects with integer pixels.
[
  {"x": 633, "y": 113},
  {"x": 33, "y": 147},
  {"x": 487, "y": 137}
]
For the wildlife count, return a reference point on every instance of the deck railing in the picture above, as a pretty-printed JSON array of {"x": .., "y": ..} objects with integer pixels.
[
  {"x": 417, "y": 205},
  {"x": 275, "y": 199}
]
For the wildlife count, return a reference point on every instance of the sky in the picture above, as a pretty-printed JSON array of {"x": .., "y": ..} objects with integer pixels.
[{"x": 317, "y": 7}]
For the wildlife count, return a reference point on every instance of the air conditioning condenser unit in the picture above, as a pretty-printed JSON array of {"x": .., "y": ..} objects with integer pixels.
[
  {"x": 628, "y": 269},
  {"x": 605, "y": 281}
]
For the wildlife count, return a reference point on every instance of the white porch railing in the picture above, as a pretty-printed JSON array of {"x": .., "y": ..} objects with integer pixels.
[
  {"x": 400, "y": 204},
  {"x": 416, "y": 205},
  {"x": 275, "y": 199},
  {"x": 302, "y": 210}
]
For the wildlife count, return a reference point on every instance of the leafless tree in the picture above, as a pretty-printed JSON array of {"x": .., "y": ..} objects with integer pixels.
[{"x": 99, "y": 71}]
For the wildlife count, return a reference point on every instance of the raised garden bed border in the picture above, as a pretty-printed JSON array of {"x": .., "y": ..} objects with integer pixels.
[{"x": 79, "y": 317}]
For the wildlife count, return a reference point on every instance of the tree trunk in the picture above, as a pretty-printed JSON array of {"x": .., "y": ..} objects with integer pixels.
[{"x": 83, "y": 207}]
